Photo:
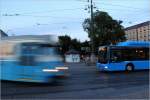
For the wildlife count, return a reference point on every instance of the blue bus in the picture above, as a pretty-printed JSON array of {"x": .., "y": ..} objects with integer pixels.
[
  {"x": 31, "y": 60},
  {"x": 125, "y": 56}
]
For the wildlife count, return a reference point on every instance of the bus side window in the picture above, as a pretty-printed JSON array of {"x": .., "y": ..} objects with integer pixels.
[
  {"x": 147, "y": 54},
  {"x": 128, "y": 54},
  {"x": 135, "y": 54},
  {"x": 116, "y": 56},
  {"x": 140, "y": 54}
]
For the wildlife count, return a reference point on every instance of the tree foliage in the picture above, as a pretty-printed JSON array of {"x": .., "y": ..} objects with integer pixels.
[
  {"x": 106, "y": 30},
  {"x": 75, "y": 44},
  {"x": 67, "y": 43}
]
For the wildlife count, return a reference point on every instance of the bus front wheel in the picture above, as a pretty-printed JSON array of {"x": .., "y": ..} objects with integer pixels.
[{"x": 129, "y": 67}]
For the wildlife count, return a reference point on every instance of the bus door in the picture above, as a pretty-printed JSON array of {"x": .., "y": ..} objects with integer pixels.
[
  {"x": 27, "y": 60},
  {"x": 116, "y": 61}
]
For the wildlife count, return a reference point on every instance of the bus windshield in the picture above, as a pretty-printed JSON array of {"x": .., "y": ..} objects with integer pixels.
[
  {"x": 40, "y": 49},
  {"x": 31, "y": 53},
  {"x": 102, "y": 55}
]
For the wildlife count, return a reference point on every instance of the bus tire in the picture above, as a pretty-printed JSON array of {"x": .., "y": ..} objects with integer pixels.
[{"x": 129, "y": 67}]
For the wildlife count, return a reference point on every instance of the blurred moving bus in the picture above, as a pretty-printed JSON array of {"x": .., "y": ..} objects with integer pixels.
[
  {"x": 30, "y": 60},
  {"x": 126, "y": 56}
]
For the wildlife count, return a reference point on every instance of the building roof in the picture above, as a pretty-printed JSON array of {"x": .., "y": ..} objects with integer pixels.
[
  {"x": 138, "y": 25},
  {"x": 26, "y": 38},
  {"x": 2, "y": 33}
]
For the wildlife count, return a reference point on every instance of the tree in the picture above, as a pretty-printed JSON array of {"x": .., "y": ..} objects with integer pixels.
[
  {"x": 65, "y": 42},
  {"x": 75, "y": 44},
  {"x": 85, "y": 47},
  {"x": 106, "y": 30},
  {"x": 85, "y": 44}
]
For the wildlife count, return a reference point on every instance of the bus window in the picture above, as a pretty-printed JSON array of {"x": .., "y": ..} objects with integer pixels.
[
  {"x": 31, "y": 51},
  {"x": 115, "y": 55},
  {"x": 131, "y": 54},
  {"x": 102, "y": 56},
  {"x": 49, "y": 51},
  {"x": 128, "y": 54},
  {"x": 141, "y": 54},
  {"x": 29, "y": 48},
  {"x": 147, "y": 54}
]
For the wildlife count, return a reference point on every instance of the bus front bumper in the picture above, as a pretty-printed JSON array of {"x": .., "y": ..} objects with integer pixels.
[
  {"x": 103, "y": 67},
  {"x": 58, "y": 71}
]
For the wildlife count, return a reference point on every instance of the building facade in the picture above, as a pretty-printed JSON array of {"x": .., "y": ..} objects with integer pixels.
[
  {"x": 139, "y": 32},
  {"x": 72, "y": 56}
]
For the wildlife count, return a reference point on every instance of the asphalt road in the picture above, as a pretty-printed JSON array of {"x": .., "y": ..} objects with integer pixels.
[{"x": 84, "y": 82}]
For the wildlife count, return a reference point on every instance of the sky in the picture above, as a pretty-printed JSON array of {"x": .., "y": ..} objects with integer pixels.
[{"x": 65, "y": 17}]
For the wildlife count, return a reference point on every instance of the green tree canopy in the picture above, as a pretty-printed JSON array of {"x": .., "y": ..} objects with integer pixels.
[
  {"x": 75, "y": 44},
  {"x": 106, "y": 30},
  {"x": 67, "y": 43}
]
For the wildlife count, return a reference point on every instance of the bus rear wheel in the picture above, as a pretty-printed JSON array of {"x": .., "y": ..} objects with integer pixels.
[{"x": 129, "y": 68}]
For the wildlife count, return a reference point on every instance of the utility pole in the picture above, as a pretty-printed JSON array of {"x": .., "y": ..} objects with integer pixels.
[{"x": 92, "y": 57}]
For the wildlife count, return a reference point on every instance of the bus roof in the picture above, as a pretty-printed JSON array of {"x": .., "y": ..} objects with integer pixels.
[
  {"x": 31, "y": 38},
  {"x": 134, "y": 43}
]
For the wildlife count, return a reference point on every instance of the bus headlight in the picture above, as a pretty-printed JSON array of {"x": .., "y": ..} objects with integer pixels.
[
  {"x": 106, "y": 67},
  {"x": 50, "y": 70}
]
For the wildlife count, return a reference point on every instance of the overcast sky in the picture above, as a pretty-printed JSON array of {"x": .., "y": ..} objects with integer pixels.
[{"x": 60, "y": 17}]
